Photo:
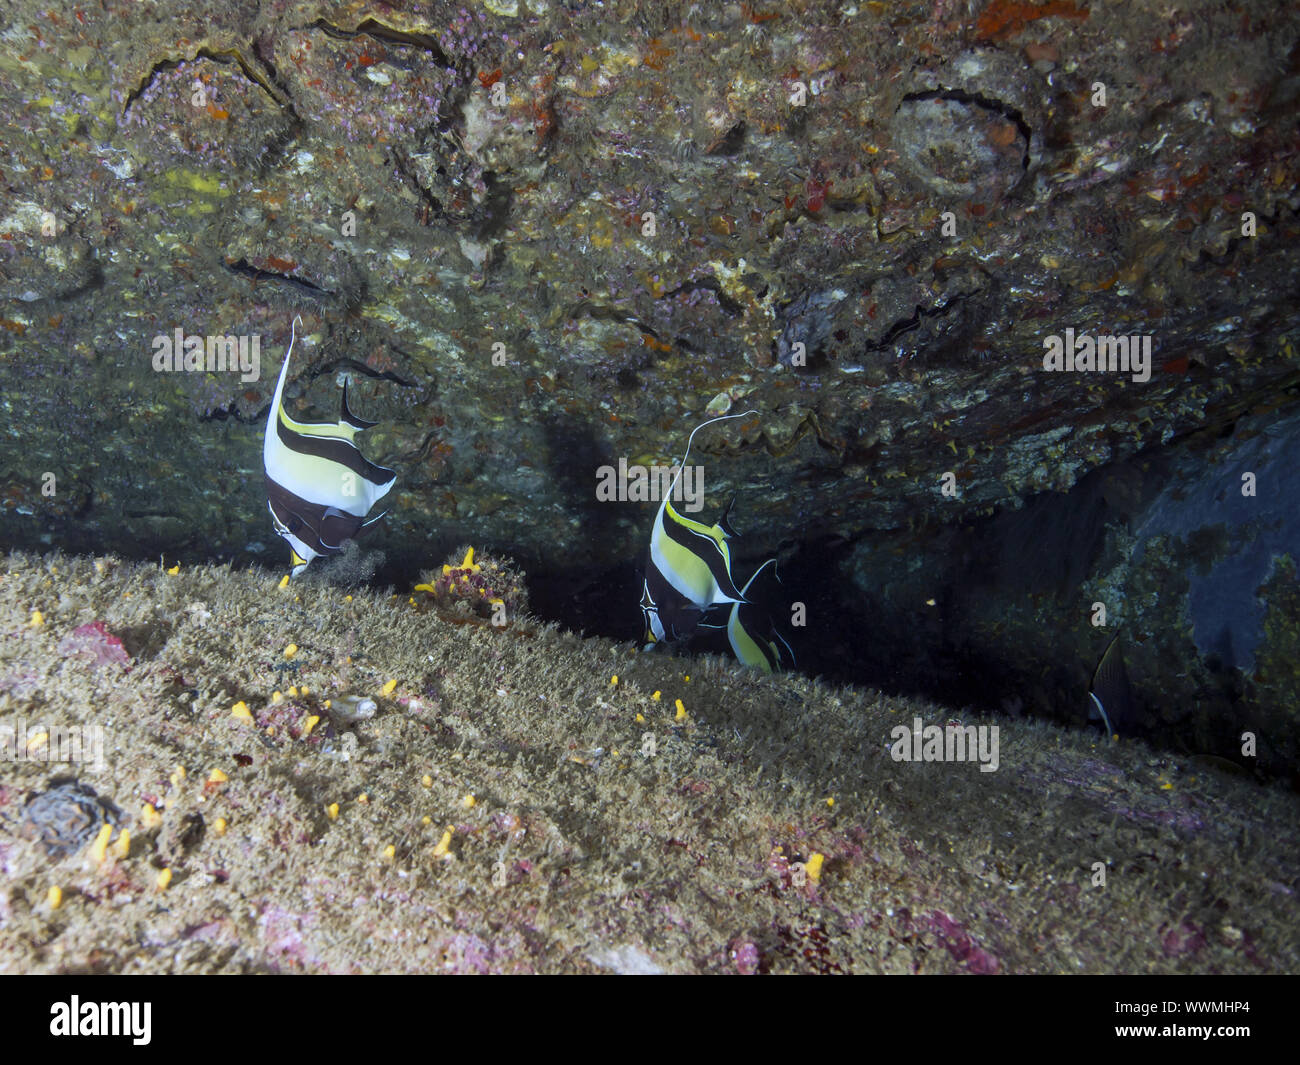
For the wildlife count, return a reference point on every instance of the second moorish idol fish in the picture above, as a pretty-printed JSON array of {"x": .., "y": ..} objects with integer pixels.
[
  {"x": 319, "y": 486},
  {"x": 689, "y": 565},
  {"x": 749, "y": 631},
  {"x": 1110, "y": 697}
]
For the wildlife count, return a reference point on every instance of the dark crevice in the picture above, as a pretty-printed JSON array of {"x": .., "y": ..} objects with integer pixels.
[
  {"x": 609, "y": 314},
  {"x": 810, "y": 424},
  {"x": 94, "y": 280},
  {"x": 732, "y": 141},
  {"x": 332, "y": 366},
  {"x": 403, "y": 164},
  {"x": 370, "y": 28},
  {"x": 158, "y": 68},
  {"x": 417, "y": 455},
  {"x": 987, "y": 102},
  {"x": 346, "y": 363},
  {"x": 489, "y": 218},
  {"x": 226, "y": 56},
  {"x": 906, "y": 325},
  {"x": 261, "y": 48},
  {"x": 724, "y": 301},
  {"x": 221, "y": 414}
]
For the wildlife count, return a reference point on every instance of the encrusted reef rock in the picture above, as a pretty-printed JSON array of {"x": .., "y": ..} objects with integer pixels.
[
  {"x": 408, "y": 793},
  {"x": 1190, "y": 555},
  {"x": 538, "y": 240},
  {"x": 489, "y": 588}
]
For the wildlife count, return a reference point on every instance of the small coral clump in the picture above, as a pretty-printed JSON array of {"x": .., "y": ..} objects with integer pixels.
[
  {"x": 491, "y": 588},
  {"x": 355, "y": 567}
]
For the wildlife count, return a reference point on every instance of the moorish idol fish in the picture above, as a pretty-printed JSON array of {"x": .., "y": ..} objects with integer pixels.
[
  {"x": 319, "y": 486},
  {"x": 689, "y": 566},
  {"x": 749, "y": 631},
  {"x": 1110, "y": 697}
]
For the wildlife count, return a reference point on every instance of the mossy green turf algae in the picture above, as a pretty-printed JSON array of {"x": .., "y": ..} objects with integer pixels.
[{"x": 582, "y": 851}]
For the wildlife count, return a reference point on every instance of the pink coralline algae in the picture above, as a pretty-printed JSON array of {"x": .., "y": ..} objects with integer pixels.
[
  {"x": 95, "y": 641},
  {"x": 1183, "y": 938},
  {"x": 206, "y": 110},
  {"x": 745, "y": 957},
  {"x": 282, "y": 934},
  {"x": 960, "y": 944},
  {"x": 365, "y": 88}
]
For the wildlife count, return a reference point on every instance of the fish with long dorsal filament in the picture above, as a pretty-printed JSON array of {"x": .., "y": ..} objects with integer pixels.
[
  {"x": 319, "y": 486},
  {"x": 688, "y": 576}
]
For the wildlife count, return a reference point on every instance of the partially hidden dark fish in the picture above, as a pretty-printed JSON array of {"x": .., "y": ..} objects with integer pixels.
[
  {"x": 1110, "y": 697},
  {"x": 319, "y": 486},
  {"x": 747, "y": 629}
]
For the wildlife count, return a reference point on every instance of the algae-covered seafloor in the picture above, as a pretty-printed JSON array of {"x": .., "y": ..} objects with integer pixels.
[{"x": 509, "y": 807}]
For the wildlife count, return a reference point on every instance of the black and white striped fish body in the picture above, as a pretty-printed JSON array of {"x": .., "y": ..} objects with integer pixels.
[
  {"x": 688, "y": 570},
  {"x": 688, "y": 567},
  {"x": 319, "y": 486}
]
